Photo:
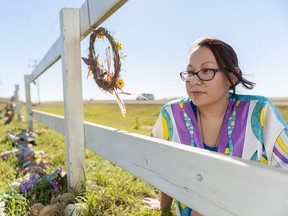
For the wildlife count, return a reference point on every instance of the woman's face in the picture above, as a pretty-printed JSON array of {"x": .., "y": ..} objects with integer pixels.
[{"x": 206, "y": 93}]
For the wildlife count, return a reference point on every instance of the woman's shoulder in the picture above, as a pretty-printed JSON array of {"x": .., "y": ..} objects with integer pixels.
[
  {"x": 244, "y": 97},
  {"x": 178, "y": 101}
]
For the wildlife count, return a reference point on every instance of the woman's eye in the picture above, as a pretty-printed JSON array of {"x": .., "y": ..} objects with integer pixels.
[{"x": 206, "y": 70}]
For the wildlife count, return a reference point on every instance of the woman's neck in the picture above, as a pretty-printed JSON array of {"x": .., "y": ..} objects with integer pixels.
[
  {"x": 214, "y": 111},
  {"x": 210, "y": 122}
]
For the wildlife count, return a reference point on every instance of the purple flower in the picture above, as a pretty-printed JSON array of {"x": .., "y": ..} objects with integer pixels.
[
  {"x": 86, "y": 61},
  {"x": 55, "y": 186},
  {"x": 54, "y": 175},
  {"x": 27, "y": 185},
  {"x": 59, "y": 171}
]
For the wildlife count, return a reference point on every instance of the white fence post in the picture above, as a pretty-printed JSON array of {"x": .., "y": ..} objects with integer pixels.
[
  {"x": 28, "y": 103},
  {"x": 73, "y": 99},
  {"x": 17, "y": 103}
]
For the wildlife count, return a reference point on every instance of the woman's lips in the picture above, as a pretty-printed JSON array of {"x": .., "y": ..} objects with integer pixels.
[{"x": 197, "y": 93}]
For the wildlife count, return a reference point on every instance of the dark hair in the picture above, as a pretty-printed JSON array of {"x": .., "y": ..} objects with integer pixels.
[{"x": 227, "y": 60}]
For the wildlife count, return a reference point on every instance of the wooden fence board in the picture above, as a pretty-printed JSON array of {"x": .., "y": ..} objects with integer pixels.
[
  {"x": 212, "y": 183},
  {"x": 52, "y": 56},
  {"x": 54, "y": 122},
  {"x": 93, "y": 13}
]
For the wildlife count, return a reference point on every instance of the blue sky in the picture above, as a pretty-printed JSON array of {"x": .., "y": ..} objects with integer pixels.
[{"x": 155, "y": 36}]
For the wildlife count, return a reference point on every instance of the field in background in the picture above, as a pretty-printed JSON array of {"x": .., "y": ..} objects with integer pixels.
[
  {"x": 141, "y": 115},
  {"x": 140, "y": 118}
]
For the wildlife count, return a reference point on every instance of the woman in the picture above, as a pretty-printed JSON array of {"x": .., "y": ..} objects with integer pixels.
[{"x": 215, "y": 118}]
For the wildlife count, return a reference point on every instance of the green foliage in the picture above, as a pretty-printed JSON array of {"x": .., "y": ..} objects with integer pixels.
[
  {"x": 7, "y": 171},
  {"x": 15, "y": 203}
]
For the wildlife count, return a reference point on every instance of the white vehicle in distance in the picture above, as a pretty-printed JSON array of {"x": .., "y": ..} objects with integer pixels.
[{"x": 146, "y": 96}]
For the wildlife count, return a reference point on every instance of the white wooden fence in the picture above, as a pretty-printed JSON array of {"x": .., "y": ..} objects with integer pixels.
[{"x": 209, "y": 182}]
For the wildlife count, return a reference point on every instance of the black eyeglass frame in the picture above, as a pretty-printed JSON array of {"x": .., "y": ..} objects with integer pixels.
[{"x": 215, "y": 70}]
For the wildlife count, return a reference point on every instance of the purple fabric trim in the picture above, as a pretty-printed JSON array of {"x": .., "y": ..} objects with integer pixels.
[
  {"x": 180, "y": 124},
  {"x": 224, "y": 138},
  {"x": 240, "y": 128},
  {"x": 238, "y": 133},
  {"x": 196, "y": 135},
  {"x": 276, "y": 152}
]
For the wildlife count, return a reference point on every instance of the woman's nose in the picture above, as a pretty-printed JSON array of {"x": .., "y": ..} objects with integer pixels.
[{"x": 194, "y": 80}]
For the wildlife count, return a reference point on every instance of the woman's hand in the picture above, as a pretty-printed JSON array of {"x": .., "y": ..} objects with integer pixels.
[
  {"x": 151, "y": 203},
  {"x": 164, "y": 204},
  {"x": 195, "y": 213}
]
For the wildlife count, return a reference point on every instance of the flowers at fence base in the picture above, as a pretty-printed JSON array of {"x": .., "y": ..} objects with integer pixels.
[
  {"x": 25, "y": 141},
  {"x": 5, "y": 155},
  {"x": 57, "y": 204},
  {"x": 16, "y": 184},
  {"x": 53, "y": 183},
  {"x": 108, "y": 80},
  {"x": 55, "y": 179},
  {"x": 29, "y": 181},
  {"x": 34, "y": 184},
  {"x": 37, "y": 179},
  {"x": 33, "y": 169},
  {"x": 36, "y": 209}
]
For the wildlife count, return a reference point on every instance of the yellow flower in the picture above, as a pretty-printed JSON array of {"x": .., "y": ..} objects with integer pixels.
[
  {"x": 120, "y": 83},
  {"x": 118, "y": 45},
  {"x": 99, "y": 36},
  {"x": 107, "y": 78}
]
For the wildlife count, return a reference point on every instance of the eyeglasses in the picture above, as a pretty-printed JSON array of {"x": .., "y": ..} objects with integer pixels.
[{"x": 205, "y": 74}]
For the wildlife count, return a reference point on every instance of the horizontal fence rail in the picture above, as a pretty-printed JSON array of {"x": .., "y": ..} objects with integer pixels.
[{"x": 213, "y": 183}]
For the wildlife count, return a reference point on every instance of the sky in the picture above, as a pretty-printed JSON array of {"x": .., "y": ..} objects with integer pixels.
[{"x": 155, "y": 36}]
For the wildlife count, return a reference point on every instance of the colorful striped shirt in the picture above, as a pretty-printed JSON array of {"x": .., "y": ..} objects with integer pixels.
[{"x": 252, "y": 129}]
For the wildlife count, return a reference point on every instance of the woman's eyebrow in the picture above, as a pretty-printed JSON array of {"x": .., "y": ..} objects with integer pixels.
[
  {"x": 190, "y": 67},
  {"x": 208, "y": 62}
]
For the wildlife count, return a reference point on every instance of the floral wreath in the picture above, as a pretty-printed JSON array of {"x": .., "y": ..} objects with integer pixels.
[{"x": 106, "y": 80}]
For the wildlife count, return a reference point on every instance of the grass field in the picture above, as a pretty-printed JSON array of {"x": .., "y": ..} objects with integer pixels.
[{"x": 109, "y": 190}]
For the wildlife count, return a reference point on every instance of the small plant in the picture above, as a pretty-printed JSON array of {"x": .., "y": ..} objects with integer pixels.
[
  {"x": 46, "y": 187},
  {"x": 14, "y": 203}
]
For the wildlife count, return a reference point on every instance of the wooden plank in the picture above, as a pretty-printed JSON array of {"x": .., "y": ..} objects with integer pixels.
[
  {"x": 54, "y": 122},
  {"x": 52, "y": 56},
  {"x": 211, "y": 183},
  {"x": 94, "y": 12},
  {"x": 73, "y": 98}
]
